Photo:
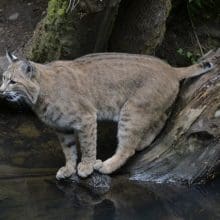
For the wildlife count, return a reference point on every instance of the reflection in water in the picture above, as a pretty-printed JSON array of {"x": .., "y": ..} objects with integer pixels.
[{"x": 44, "y": 198}]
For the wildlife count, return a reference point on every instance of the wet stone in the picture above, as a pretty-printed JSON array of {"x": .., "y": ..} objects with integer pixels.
[
  {"x": 13, "y": 16},
  {"x": 97, "y": 183}
]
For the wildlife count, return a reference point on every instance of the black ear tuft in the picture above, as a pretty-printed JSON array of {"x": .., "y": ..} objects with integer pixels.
[{"x": 11, "y": 58}]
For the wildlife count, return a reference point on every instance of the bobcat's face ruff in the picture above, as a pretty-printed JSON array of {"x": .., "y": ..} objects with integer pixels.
[{"x": 19, "y": 82}]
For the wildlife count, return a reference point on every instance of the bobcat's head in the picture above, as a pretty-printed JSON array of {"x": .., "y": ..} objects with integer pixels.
[{"x": 19, "y": 81}]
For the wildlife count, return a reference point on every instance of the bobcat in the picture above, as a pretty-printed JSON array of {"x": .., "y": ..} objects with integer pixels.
[{"x": 70, "y": 96}]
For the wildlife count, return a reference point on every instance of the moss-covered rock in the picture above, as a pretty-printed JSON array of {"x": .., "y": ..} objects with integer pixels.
[
  {"x": 46, "y": 43},
  {"x": 66, "y": 34}
]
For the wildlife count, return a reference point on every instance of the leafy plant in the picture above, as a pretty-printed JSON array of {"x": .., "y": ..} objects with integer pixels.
[
  {"x": 196, "y": 5},
  {"x": 189, "y": 56}
]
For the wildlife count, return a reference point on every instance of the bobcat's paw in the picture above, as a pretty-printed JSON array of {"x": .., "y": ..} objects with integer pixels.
[
  {"x": 98, "y": 164},
  {"x": 84, "y": 169},
  {"x": 65, "y": 172},
  {"x": 103, "y": 167}
]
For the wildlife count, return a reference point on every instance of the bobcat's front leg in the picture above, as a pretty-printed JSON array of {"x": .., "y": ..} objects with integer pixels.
[
  {"x": 87, "y": 137},
  {"x": 68, "y": 144}
]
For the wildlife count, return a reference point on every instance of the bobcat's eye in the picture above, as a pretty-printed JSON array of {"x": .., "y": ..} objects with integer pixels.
[{"x": 12, "y": 82}]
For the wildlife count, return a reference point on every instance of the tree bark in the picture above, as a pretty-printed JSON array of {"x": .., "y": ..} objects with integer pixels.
[{"x": 140, "y": 26}]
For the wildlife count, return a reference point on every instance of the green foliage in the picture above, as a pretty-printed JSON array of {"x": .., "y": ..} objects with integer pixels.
[
  {"x": 57, "y": 30},
  {"x": 201, "y": 3},
  {"x": 195, "y": 6},
  {"x": 196, "y": 3},
  {"x": 189, "y": 56}
]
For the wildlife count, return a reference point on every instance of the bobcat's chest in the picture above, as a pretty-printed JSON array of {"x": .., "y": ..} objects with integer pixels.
[{"x": 54, "y": 117}]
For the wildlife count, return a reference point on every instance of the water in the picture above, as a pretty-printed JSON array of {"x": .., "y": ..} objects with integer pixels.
[
  {"x": 28, "y": 148},
  {"x": 44, "y": 198}
]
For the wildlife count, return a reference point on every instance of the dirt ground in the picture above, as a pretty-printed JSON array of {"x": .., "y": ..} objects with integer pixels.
[{"x": 18, "y": 19}]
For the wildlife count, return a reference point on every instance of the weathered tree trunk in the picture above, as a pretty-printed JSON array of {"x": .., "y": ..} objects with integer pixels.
[{"x": 140, "y": 26}]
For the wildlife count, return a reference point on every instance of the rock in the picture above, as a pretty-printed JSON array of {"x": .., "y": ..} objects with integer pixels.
[
  {"x": 140, "y": 26},
  {"x": 97, "y": 183},
  {"x": 13, "y": 16}
]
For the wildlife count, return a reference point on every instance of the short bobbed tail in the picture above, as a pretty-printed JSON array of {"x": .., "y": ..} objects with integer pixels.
[{"x": 194, "y": 70}]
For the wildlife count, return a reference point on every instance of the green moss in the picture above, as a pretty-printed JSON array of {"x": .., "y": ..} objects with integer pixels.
[
  {"x": 61, "y": 12},
  {"x": 54, "y": 32},
  {"x": 57, "y": 10}
]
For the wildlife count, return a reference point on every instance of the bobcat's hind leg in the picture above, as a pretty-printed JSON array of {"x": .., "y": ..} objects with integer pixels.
[
  {"x": 152, "y": 132},
  {"x": 68, "y": 144},
  {"x": 132, "y": 125}
]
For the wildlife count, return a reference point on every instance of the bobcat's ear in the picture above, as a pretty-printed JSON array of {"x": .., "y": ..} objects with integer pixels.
[{"x": 11, "y": 57}]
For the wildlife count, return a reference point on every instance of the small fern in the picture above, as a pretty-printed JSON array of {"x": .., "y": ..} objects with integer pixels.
[
  {"x": 188, "y": 56},
  {"x": 196, "y": 5}
]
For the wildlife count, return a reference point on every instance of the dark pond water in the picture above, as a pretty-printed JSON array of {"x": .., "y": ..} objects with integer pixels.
[
  {"x": 44, "y": 198},
  {"x": 28, "y": 148}
]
